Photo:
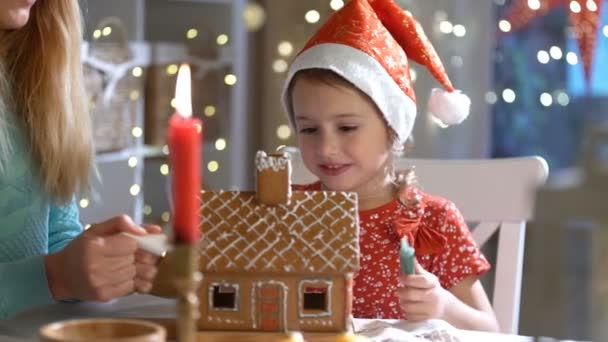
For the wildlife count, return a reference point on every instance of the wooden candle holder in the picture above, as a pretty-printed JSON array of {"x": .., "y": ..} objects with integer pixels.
[{"x": 187, "y": 281}]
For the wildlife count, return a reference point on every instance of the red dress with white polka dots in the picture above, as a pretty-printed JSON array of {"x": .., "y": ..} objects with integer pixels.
[{"x": 433, "y": 225}]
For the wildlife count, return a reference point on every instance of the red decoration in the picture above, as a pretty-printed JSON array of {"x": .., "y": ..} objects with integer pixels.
[
  {"x": 185, "y": 146},
  {"x": 584, "y": 17},
  {"x": 318, "y": 290}
]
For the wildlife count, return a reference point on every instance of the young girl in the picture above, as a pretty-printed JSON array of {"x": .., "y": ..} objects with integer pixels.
[
  {"x": 45, "y": 160},
  {"x": 350, "y": 99}
]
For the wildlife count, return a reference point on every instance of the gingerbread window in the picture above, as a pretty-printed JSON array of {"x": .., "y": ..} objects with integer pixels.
[
  {"x": 315, "y": 298},
  {"x": 224, "y": 296}
]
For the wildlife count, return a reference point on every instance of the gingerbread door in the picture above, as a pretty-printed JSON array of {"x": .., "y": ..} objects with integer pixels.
[{"x": 271, "y": 306}]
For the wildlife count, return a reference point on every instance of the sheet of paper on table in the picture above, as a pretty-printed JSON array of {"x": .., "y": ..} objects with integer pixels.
[{"x": 403, "y": 331}]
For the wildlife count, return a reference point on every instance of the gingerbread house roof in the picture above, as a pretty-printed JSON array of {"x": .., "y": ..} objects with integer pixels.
[{"x": 317, "y": 232}]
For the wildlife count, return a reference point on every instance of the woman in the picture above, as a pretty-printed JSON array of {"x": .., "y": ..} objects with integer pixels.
[{"x": 45, "y": 162}]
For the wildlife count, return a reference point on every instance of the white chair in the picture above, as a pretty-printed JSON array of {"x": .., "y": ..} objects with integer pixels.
[{"x": 496, "y": 193}]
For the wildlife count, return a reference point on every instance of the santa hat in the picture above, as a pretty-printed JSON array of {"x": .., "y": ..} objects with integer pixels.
[{"x": 367, "y": 42}]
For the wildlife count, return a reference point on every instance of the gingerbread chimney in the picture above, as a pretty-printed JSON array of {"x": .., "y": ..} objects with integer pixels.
[{"x": 273, "y": 178}]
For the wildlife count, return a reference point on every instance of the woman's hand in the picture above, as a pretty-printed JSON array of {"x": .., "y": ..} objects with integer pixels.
[
  {"x": 100, "y": 264},
  {"x": 146, "y": 265},
  {"x": 421, "y": 296}
]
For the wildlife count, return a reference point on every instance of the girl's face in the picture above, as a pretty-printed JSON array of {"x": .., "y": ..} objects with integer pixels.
[
  {"x": 341, "y": 135},
  {"x": 14, "y": 14}
]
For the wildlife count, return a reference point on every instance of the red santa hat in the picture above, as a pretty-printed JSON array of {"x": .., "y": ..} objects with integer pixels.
[{"x": 368, "y": 43}]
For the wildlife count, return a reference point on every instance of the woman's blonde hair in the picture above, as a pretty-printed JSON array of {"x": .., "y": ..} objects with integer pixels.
[{"x": 43, "y": 69}]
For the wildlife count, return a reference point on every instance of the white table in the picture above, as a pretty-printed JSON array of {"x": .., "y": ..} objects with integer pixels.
[{"x": 24, "y": 327}]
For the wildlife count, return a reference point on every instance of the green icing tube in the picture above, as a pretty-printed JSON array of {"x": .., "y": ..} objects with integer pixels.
[{"x": 407, "y": 258}]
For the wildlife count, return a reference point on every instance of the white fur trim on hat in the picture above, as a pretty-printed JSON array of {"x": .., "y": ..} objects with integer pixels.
[
  {"x": 449, "y": 108},
  {"x": 365, "y": 73}
]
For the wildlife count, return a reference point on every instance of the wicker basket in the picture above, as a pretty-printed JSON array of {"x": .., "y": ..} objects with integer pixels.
[{"x": 114, "y": 92}]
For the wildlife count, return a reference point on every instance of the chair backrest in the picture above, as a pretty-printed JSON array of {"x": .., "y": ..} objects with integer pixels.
[{"x": 496, "y": 193}]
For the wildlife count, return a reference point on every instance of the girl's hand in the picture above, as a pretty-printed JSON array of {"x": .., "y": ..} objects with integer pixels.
[
  {"x": 421, "y": 296},
  {"x": 98, "y": 265},
  {"x": 146, "y": 265}
]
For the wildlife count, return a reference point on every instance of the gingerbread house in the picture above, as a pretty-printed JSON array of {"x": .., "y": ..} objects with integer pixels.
[{"x": 277, "y": 259}]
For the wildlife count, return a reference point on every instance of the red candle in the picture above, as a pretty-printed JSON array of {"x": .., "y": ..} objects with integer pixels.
[{"x": 185, "y": 134}]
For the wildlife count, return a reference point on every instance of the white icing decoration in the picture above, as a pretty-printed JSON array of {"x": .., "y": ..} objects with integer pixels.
[
  {"x": 265, "y": 162},
  {"x": 316, "y": 322},
  {"x": 223, "y": 249},
  {"x": 224, "y": 320},
  {"x": 254, "y": 322}
]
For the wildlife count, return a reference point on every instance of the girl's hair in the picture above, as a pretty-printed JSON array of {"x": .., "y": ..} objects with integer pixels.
[
  {"x": 332, "y": 79},
  {"x": 43, "y": 70}
]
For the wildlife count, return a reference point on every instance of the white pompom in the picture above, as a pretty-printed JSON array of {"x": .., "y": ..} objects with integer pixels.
[{"x": 449, "y": 108}]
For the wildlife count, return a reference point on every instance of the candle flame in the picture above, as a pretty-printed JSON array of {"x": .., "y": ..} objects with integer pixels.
[{"x": 183, "y": 92}]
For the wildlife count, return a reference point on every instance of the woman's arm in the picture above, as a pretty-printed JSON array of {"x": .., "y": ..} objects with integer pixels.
[
  {"x": 24, "y": 285},
  {"x": 24, "y": 282},
  {"x": 64, "y": 225}
]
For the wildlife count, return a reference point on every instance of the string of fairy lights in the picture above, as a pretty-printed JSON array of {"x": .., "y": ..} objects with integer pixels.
[
  {"x": 254, "y": 17},
  {"x": 545, "y": 56}
]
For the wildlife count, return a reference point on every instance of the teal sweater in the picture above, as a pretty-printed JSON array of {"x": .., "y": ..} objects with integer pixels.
[{"x": 31, "y": 225}]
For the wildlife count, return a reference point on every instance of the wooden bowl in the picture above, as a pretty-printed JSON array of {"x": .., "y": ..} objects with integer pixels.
[{"x": 103, "y": 330}]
